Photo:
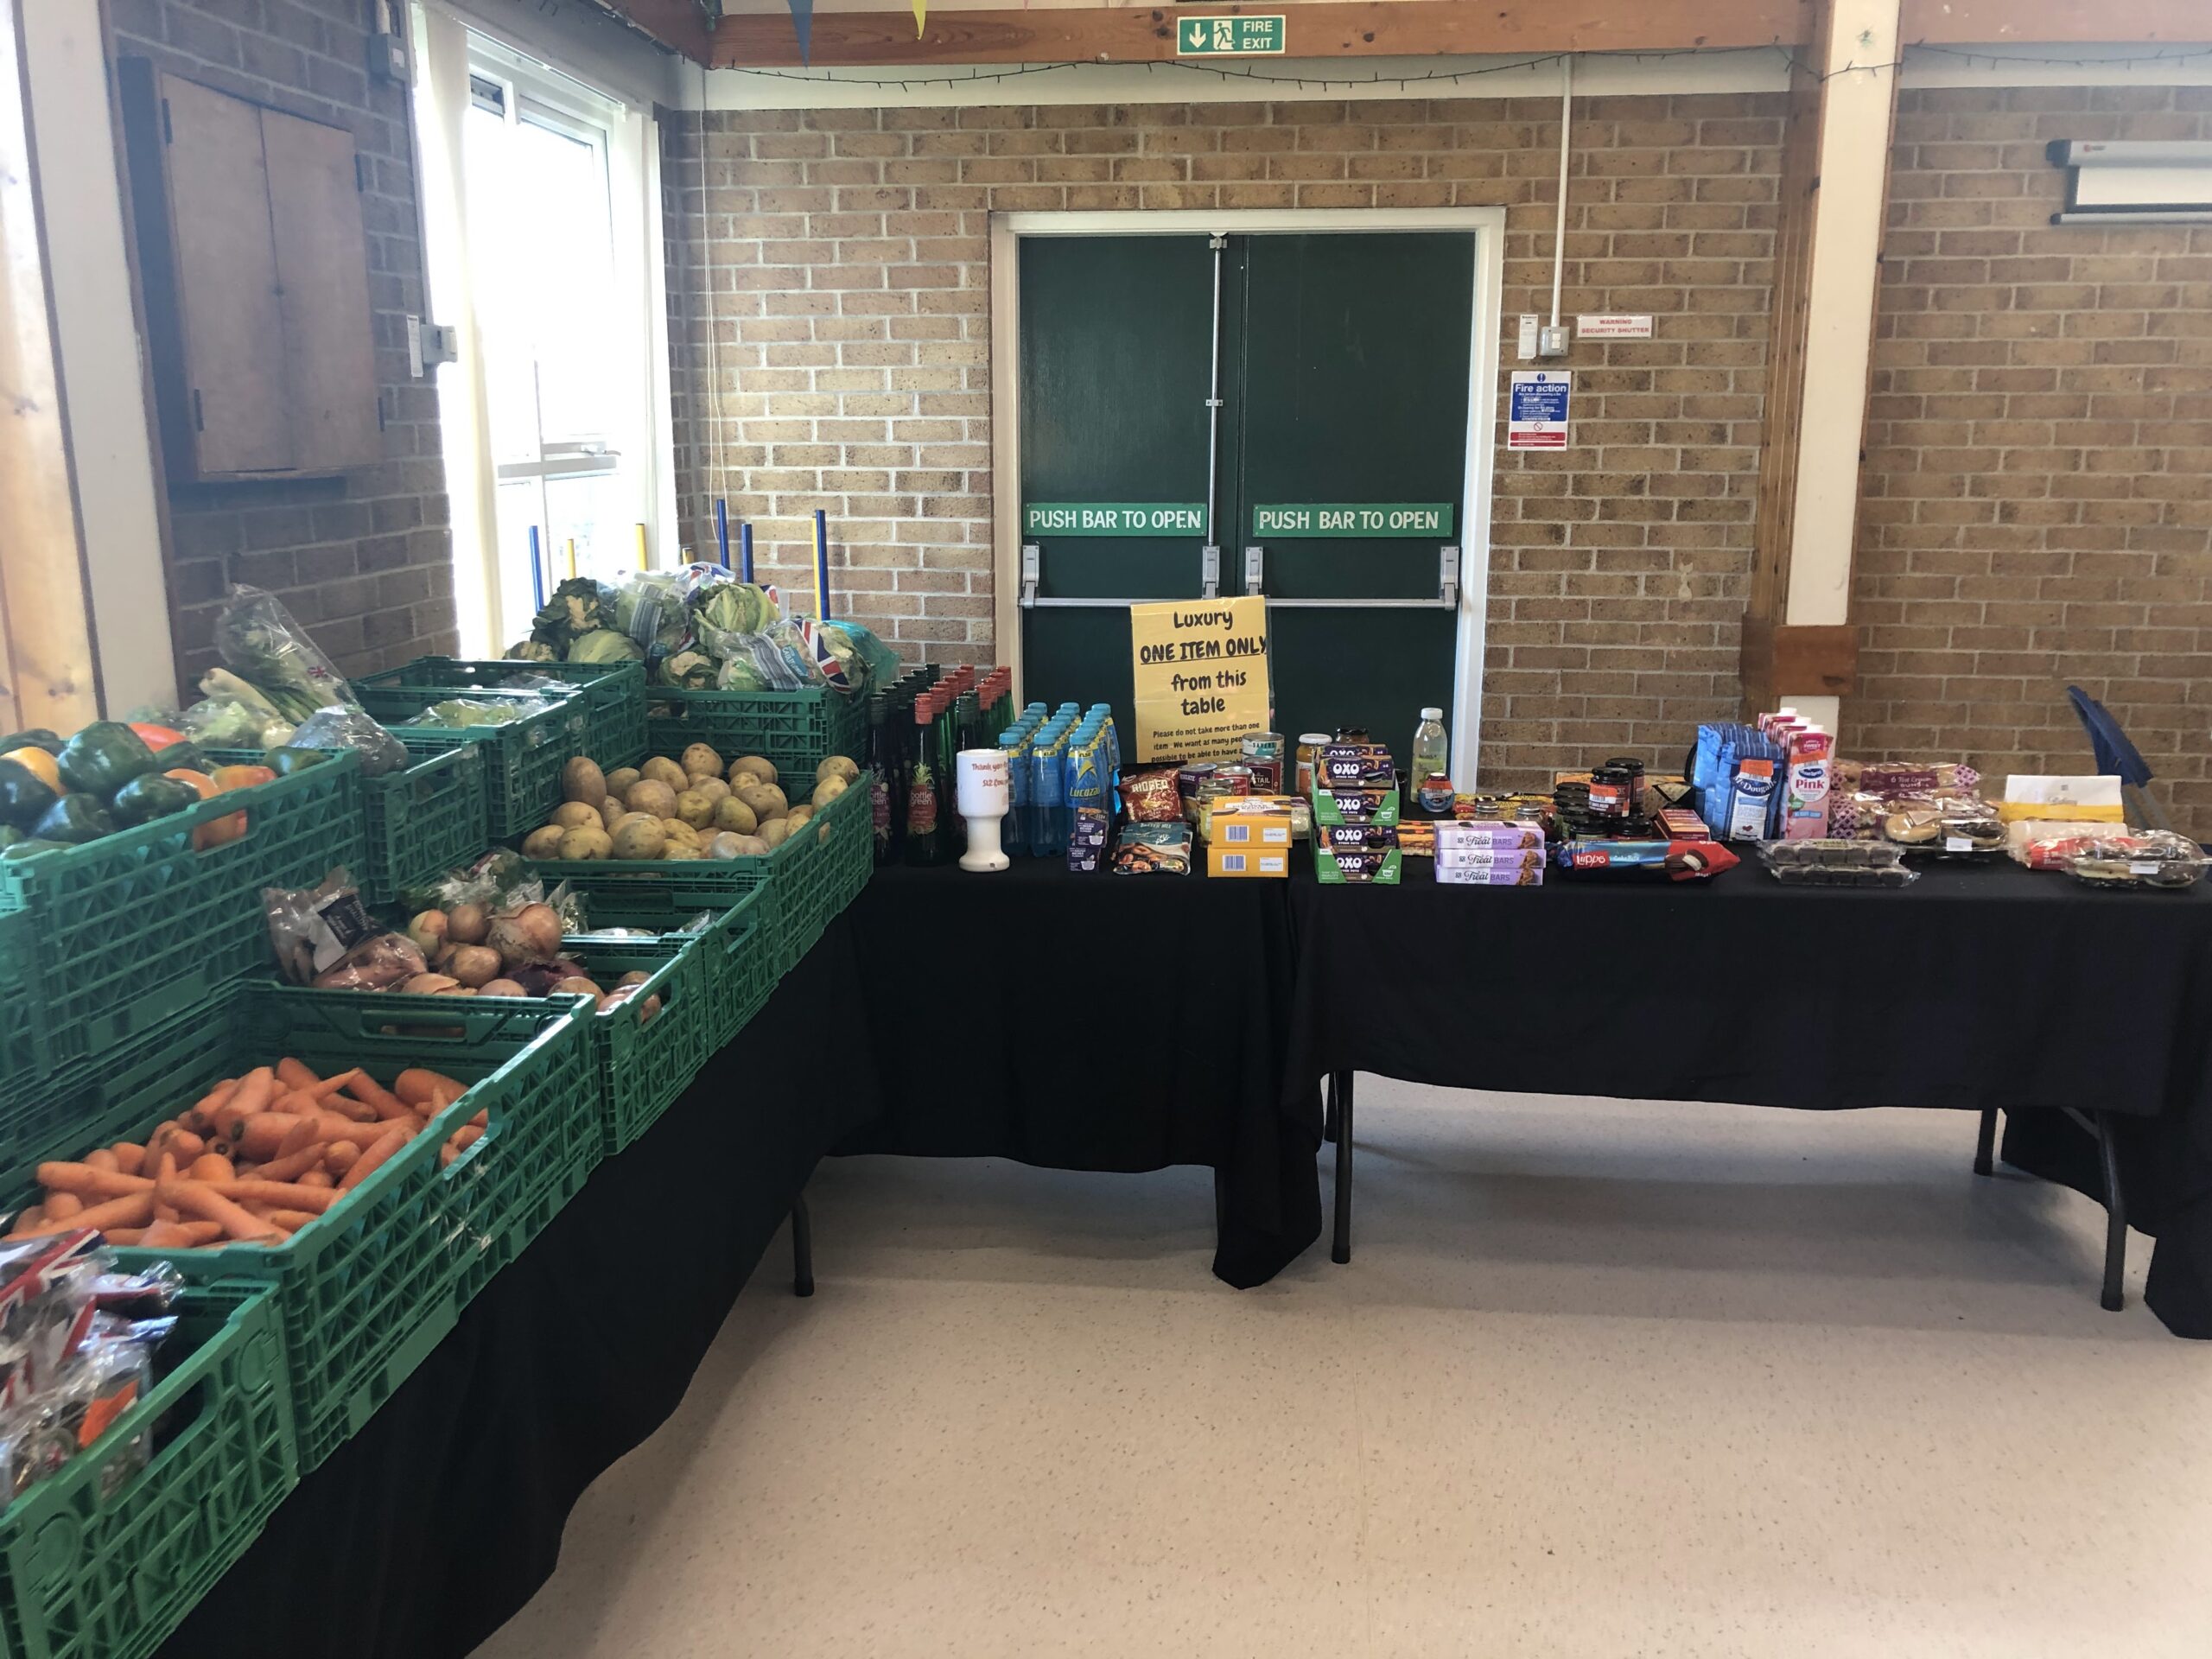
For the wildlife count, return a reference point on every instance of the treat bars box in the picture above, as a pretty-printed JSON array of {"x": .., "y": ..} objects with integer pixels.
[
  {"x": 1479, "y": 858},
  {"x": 1490, "y": 876},
  {"x": 1246, "y": 861},
  {"x": 1475, "y": 834}
]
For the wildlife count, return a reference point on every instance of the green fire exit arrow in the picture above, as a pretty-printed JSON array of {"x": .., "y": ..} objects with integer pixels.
[{"x": 1230, "y": 37}]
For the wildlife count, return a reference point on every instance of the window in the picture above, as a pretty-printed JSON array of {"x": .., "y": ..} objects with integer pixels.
[{"x": 555, "y": 418}]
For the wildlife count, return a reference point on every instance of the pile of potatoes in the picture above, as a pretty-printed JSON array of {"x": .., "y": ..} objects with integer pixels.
[{"x": 691, "y": 807}]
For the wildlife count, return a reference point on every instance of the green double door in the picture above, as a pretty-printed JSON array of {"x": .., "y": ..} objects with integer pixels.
[{"x": 1335, "y": 462}]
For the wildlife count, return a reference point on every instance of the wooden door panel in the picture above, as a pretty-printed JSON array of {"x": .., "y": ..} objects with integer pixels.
[
  {"x": 322, "y": 263},
  {"x": 227, "y": 281}
]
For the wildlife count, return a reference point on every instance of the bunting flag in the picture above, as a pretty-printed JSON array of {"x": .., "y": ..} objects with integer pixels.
[
  {"x": 922, "y": 16},
  {"x": 803, "y": 26}
]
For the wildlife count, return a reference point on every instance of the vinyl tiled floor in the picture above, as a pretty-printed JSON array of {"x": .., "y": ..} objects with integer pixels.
[{"x": 1603, "y": 1379}]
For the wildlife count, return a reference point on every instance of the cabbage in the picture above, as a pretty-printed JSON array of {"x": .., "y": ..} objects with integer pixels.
[
  {"x": 737, "y": 608},
  {"x": 688, "y": 671},
  {"x": 533, "y": 651},
  {"x": 605, "y": 645}
]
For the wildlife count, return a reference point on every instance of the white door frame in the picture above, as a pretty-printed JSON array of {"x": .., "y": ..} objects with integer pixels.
[{"x": 1488, "y": 226}]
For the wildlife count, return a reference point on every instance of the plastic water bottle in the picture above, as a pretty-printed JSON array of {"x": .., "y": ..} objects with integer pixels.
[
  {"x": 1432, "y": 749},
  {"x": 1015, "y": 742}
]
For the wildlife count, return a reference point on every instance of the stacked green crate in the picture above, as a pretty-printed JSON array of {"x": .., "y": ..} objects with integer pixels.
[
  {"x": 737, "y": 947},
  {"x": 416, "y": 822},
  {"x": 613, "y": 693},
  {"x": 105, "y": 1557},
  {"x": 522, "y": 757},
  {"x": 797, "y": 730}
]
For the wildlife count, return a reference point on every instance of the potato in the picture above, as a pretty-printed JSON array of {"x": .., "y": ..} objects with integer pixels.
[
  {"x": 740, "y": 779},
  {"x": 638, "y": 837},
  {"x": 544, "y": 842},
  {"x": 582, "y": 781},
  {"x": 577, "y": 814},
  {"x": 796, "y": 817},
  {"x": 591, "y": 842},
  {"x": 775, "y": 831},
  {"x": 758, "y": 766},
  {"x": 501, "y": 988},
  {"x": 695, "y": 809},
  {"x": 635, "y": 977},
  {"x": 653, "y": 796},
  {"x": 731, "y": 813},
  {"x": 676, "y": 830},
  {"x": 619, "y": 779},
  {"x": 468, "y": 924},
  {"x": 837, "y": 766},
  {"x": 577, "y": 985},
  {"x": 765, "y": 800},
  {"x": 610, "y": 813},
  {"x": 828, "y": 791},
  {"x": 666, "y": 770},
  {"x": 713, "y": 788},
  {"x": 681, "y": 850},
  {"x": 430, "y": 985},
  {"x": 701, "y": 761},
  {"x": 474, "y": 965}
]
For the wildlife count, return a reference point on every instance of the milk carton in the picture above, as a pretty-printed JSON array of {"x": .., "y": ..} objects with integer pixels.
[{"x": 1805, "y": 795}]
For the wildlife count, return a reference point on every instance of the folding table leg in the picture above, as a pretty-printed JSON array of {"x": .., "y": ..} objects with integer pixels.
[
  {"x": 1987, "y": 1146},
  {"x": 802, "y": 1248},
  {"x": 2115, "y": 1216},
  {"x": 1340, "y": 1092}
]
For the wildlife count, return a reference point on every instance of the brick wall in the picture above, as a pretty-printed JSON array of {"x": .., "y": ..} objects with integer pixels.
[
  {"x": 845, "y": 283},
  {"x": 363, "y": 561},
  {"x": 2037, "y": 505}
]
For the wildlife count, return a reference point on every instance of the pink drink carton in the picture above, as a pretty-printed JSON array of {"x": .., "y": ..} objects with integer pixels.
[{"x": 1805, "y": 795}]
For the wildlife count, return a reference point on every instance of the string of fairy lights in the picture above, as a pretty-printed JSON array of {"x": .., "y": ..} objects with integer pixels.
[{"x": 1253, "y": 74}]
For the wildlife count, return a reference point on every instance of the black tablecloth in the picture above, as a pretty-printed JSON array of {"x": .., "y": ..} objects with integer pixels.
[
  {"x": 434, "y": 1525},
  {"x": 1979, "y": 986},
  {"x": 1100, "y": 1022}
]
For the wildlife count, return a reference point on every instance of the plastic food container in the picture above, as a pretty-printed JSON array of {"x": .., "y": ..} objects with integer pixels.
[
  {"x": 2158, "y": 859},
  {"x": 1830, "y": 863}
]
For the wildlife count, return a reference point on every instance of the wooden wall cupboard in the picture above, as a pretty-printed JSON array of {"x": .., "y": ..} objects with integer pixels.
[{"x": 254, "y": 262}]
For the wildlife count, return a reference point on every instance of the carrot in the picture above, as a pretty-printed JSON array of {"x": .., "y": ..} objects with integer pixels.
[
  {"x": 253, "y": 1095},
  {"x": 320, "y": 1178},
  {"x": 129, "y": 1158},
  {"x": 26, "y": 1221},
  {"x": 212, "y": 1167},
  {"x": 174, "y": 1235},
  {"x": 294, "y": 1074},
  {"x": 87, "y": 1180},
  {"x": 291, "y": 1220},
  {"x": 416, "y": 1085},
  {"x": 345, "y": 1106},
  {"x": 318, "y": 1128},
  {"x": 482, "y": 1120},
  {"x": 338, "y": 1157},
  {"x": 101, "y": 1158},
  {"x": 204, "y": 1203},
  {"x": 127, "y": 1235},
  {"x": 215, "y": 1096},
  {"x": 367, "y": 1089},
  {"x": 260, "y": 1138},
  {"x": 187, "y": 1145},
  {"x": 292, "y": 1165},
  {"x": 281, "y": 1195},
  {"x": 373, "y": 1156},
  {"x": 134, "y": 1211},
  {"x": 62, "y": 1206}
]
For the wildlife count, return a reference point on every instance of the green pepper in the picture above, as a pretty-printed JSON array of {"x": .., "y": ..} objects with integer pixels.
[
  {"x": 285, "y": 762},
  {"x": 75, "y": 819},
  {"x": 103, "y": 757},
  {"x": 24, "y": 798},
  {"x": 30, "y": 848},
  {"x": 181, "y": 757},
  {"x": 36, "y": 738},
  {"x": 153, "y": 797}
]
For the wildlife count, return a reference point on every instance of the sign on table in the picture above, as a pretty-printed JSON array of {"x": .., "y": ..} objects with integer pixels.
[
  {"x": 1201, "y": 671},
  {"x": 1114, "y": 518},
  {"x": 1413, "y": 518},
  {"x": 1537, "y": 410},
  {"x": 1230, "y": 37}
]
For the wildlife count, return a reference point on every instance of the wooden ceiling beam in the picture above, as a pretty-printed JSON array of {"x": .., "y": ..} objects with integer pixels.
[
  {"x": 2055, "y": 23},
  {"x": 1316, "y": 28}
]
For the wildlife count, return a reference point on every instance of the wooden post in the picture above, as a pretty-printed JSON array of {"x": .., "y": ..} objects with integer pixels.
[{"x": 1798, "y": 647}]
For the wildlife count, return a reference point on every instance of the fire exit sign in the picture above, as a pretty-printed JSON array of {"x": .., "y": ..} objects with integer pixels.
[{"x": 1230, "y": 37}]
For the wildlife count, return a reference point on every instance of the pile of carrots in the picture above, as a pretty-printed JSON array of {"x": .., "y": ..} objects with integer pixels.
[{"x": 253, "y": 1161}]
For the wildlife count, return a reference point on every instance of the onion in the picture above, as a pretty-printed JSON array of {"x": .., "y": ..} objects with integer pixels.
[
  {"x": 500, "y": 988},
  {"x": 468, "y": 924},
  {"x": 430, "y": 985},
  {"x": 427, "y": 931},
  {"x": 531, "y": 934},
  {"x": 578, "y": 985},
  {"x": 474, "y": 965}
]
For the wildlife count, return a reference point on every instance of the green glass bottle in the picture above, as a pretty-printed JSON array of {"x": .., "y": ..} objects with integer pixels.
[{"x": 925, "y": 832}]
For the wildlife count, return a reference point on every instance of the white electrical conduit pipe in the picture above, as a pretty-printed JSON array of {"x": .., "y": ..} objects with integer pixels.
[{"x": 1558, "y": 232}]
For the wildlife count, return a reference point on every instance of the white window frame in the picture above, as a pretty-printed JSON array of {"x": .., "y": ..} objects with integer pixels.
[{"x": 1488, "y": 227}]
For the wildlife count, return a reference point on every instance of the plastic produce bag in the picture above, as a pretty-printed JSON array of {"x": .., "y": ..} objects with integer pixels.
[
  {"x": 460, "y": 714},
  {"x": 347, "y": 728},
  {"x": 258, "y": 640}
]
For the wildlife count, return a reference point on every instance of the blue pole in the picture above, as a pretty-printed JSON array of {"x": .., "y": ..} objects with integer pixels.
[
  {"x": 721, "y": 530},
  {"x": 820, "y": 566},
  {"x": 537, "y": 573},
  {"x": 745, "y": 551}
]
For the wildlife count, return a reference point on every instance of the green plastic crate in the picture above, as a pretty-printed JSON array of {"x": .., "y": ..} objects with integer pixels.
[
  {"x": 837, "y": 856},
  {"x": 417, "y": 822},
  {"x": 522, "y": 758},
  {"x": 96, "y": 1563},
  {"x": 797, "y": 730},
  {"x": 614, "y": 695},
  {"x": 23, "y": 1064},
  {"x": 367, "y": 1290},
  {"x": 644, "y": 1065},
  {"x": 739, "y": 953},
  {"x": 132, "y": 929}
]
